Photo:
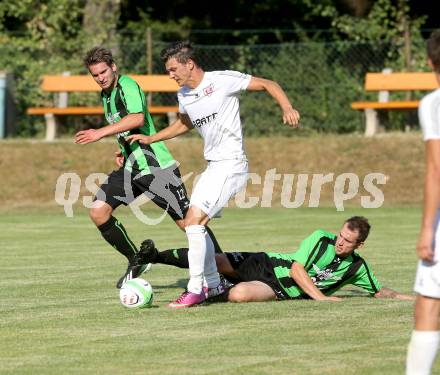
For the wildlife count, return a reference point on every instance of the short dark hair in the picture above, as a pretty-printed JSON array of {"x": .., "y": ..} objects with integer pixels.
[
  {"x": 433, "y": 49},
  {"x": 360, "y": 224},
  {"x": 181, "y": 51},
  {"x": 98, "y": 55}
]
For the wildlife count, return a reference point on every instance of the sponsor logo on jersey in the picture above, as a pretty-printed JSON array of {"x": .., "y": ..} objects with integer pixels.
[
  {"x": 322, "y": 275},
  {"x": 209, "y": 90},
  {"x": 204, "y": 120},
  {"x": 123, "y": 134},
  {"x": 112, "y": 118},
  {"x": 238, "y": 257}
]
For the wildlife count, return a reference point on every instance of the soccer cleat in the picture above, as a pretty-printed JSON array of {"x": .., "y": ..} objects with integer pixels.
[
  {"x": 219, "y": 293},
  {"x": 220, "y": 289},
  {"x": 188, "y": 299},
  {"x": 133, "y": 271},
  {"x": 147, "y": 253},
  {"x": 214, "y": 292},
  {"x": 227, "y": 284}
]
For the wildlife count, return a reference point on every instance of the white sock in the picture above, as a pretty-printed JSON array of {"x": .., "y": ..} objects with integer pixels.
[
  {"x": 196, "y": 256},
  {"x": 212, "y": 278},
  {"x": 422, "y": 350}
]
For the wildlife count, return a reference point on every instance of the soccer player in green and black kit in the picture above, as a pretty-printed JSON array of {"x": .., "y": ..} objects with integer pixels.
[
  {"x": 143, "y": 169},
  {"x": 323, "y": 264}
]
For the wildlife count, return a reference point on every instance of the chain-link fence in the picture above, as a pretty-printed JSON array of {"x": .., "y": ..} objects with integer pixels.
[{"x": 321, "y": 79}]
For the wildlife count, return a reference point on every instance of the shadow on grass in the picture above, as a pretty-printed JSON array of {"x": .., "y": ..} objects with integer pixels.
[{"x": 352, "y": 294}]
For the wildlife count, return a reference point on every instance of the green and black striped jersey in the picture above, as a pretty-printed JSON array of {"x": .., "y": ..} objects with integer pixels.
[
  {"x": 327, "y": 271},
  {"x": 127, "y": 97}
]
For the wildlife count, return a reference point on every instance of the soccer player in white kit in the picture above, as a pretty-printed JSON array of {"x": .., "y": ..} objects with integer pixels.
[
  {"x": 209, "y": 102},
  {"x": 425, "y": 337}
]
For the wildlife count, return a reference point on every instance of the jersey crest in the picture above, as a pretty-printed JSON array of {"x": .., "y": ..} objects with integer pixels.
[
  {"x": 112, "y": 118},
  {"x": 209, "y": 90},
  {"x": 322, "y": 275}
]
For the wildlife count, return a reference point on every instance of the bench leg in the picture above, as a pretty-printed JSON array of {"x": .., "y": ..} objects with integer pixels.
[
  {"x": 51, "y": 127},
  {"x": 372, "y": 122}
]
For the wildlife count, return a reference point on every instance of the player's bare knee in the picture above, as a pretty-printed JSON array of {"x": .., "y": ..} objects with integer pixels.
[
  {"x": 195, "y": 216},
  {"x": 238, "y": 294},
  {"x": 94, "y": 214},
  {"x": 191, "y": 221},
  {"x": 100, "y": 215},
  {"x": 181, "y": 224},
  {"x": 427, "y": 309}
]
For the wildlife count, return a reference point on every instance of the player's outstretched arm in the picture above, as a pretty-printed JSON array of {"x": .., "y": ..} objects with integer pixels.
[
  {"x": 290, "y": 115},
  {"x": 131, "y": 121},
  {"x": 390, "y": 293},
  {"x": 181, "y": 126},
  {"x": 303, "y": 280}
]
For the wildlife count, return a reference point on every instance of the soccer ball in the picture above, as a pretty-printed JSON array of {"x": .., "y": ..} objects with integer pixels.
[{"x": 136, "y": 293}]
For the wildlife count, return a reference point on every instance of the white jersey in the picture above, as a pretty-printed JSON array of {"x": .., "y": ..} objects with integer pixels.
[
  {"x": 429, "y": 115},
  {"x": 213, "y": 107}
]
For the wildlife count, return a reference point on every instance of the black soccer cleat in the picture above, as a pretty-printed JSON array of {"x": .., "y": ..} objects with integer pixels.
[
  {"x": 147, "y": 254},
  {"x": 219, "y": 293},
  {"x": 133, "y": 271}
]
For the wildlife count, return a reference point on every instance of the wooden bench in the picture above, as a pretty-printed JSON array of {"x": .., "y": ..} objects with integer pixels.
[
  {"x": 385, "y": 82},
  {"x": 64, "y": 84}
]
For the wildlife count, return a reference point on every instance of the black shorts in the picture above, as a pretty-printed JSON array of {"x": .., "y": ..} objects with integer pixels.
[
  {"x": 164, "y": 187},
  {"x": 256, "y": 267}
]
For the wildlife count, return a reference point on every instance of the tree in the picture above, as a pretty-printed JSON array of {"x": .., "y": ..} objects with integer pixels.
[{"x": 100, "y": 22}]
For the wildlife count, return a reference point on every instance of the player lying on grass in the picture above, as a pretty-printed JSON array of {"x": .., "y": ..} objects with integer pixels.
[{"x": 323, "y": 264}]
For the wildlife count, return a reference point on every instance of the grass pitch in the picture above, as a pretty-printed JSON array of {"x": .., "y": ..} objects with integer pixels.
[{"x": 60, "y": 311}]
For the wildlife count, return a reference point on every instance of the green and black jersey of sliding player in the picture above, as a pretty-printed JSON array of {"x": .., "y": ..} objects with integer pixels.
[
  {"x": 327, "y": 271},
  {"x": 126, "y": 98}
]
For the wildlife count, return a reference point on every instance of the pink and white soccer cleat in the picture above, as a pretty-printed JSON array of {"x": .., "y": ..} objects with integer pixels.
[{"x": 188, "y": 299}]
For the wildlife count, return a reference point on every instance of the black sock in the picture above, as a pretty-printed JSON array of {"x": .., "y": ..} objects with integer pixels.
[
  {"x": 115, "y": 234},
  {"x": 173, "y": 257},
  {"x": 217, "y": 247}
]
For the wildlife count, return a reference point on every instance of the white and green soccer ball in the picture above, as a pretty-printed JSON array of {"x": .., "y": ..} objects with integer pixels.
[{"x": 136, "y": 293}]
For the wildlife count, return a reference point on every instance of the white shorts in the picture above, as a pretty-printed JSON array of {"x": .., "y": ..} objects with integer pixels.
[
  {"x": 220, "y": 181},
  {"x": 428, "y": 274},
  {"x": 428, "y": 279}
]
